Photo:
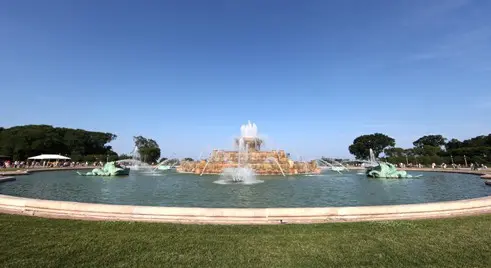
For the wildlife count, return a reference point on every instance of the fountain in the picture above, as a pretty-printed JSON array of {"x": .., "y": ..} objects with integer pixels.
[
  {"x": 135, "y": 156},
  {"x": 272, "y": 159},
  {"x": 248, "y": 157},
  {"x": 334, "y": 166},
  {"x": 134, "y": 163},
  {"x": 167, "y": 164},
  {"x": 242, "y": 173},
  {"x": 372, "y": 156},
  {"x": 109, "y": 169},
  {"x": 386, "y": 170},
  {"x": 371, "y": 162}
]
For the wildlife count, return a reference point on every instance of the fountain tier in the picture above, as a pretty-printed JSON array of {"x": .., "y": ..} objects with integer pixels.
[
  {"x": 263, "y": 163},
  {"x": 249, "y": 156}
]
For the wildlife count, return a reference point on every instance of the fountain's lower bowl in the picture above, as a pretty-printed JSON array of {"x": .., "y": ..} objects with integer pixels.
[
  {"x": 258, "y": 168},
  {"x": 261, "y": 162}
]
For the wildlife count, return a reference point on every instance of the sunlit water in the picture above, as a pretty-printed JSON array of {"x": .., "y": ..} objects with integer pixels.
[
  {"x": 238, "y": 176},
  {"x": 167, "y": 188}
]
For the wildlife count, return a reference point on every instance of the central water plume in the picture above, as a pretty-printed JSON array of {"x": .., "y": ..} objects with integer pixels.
[
  {"x": 249, "y": 130},
  {"x": 242, "y": 173}
]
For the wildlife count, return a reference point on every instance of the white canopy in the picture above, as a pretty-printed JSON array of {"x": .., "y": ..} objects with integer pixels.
[{"x": 49, "y": 157}]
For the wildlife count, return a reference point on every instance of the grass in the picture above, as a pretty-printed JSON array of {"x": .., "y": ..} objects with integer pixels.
[{"x": 36, "y": 242}]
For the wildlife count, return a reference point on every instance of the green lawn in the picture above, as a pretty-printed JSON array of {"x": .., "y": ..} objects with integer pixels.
[{"x": 36, "y": 242}]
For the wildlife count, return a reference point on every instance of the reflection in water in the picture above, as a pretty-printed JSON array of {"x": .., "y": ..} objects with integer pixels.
[
  {"x": 245, "y": 196},
  {"x": 240, "y": 175},
  {"x": 248, "y": 182},
  {"x": 168, "y": 188}
]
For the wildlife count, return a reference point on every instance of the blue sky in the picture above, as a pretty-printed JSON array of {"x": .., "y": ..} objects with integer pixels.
[{"x": 313, "y": 75}]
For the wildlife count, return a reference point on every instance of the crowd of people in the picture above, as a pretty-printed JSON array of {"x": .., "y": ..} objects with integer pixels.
[
  {"x": 472, "y": 166},
  {"x": 4, "y": 164}
]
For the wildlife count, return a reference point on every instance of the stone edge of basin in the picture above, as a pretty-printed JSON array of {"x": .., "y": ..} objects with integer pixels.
[{"x": 92, "y": 211}]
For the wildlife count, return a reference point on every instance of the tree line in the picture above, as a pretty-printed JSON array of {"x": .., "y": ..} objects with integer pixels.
[
  {"x": 21, "y": 142},
  {"x": 426, "y": 150}
]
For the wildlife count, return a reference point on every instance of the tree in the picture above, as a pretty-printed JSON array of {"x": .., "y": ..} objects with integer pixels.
[
  {"x": 21, "y": 142},
  {"x": 188, "y": 159},
  {"x": 149, "y": 149},
  {"x": 377, "y": 142},
  {"x": 124, "y": 156},
  {"x": 394, "y": 152},
  {"x": 453, "y": 144},
  {"x": 428, "y": 150},
  {"x": 409, "y": 152},
  {"x": 431, "y": 140},
  {"x": 479, "y": 141}
]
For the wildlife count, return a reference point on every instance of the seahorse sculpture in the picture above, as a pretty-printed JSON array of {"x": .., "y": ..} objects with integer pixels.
[
  {"x": 109, "y": 169},
  {"x": 386, "y": 170}
]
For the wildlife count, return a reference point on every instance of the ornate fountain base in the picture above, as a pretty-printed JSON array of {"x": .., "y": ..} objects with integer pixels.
[{"x": 262, "y": 162}]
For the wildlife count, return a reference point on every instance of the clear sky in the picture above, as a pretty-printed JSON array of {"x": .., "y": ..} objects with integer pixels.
[{"x": 313, "y": 75}]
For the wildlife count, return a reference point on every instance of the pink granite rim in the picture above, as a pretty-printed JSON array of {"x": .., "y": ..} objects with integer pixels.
[
  {"x": 111, "y": 212},
  {"x": 93, "y": 211}
]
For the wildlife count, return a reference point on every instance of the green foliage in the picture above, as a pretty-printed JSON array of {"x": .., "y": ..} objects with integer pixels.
[
  {"x": 475, "y": 150},
  {"x": 98, "y": 157},
  {"x": 479, "y": 141},
  {"x": 22, "y": 142},
  {"x": 377, "y": 142},
  {"x": 149, "y": 149},
  {"x": 394, "y": 152},
  {"x": 430, "y": 140},
  {"x": 124, "y": 156},
  {"x": 453, "y": 144},
  {"x": 188, "y": 159},
  {"x": 428, "y": 149}
]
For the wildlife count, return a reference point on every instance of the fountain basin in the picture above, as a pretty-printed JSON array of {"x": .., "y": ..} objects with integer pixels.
[
  {"x": 175, "y": 197},
  {"x": 169, "y": 188}
]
